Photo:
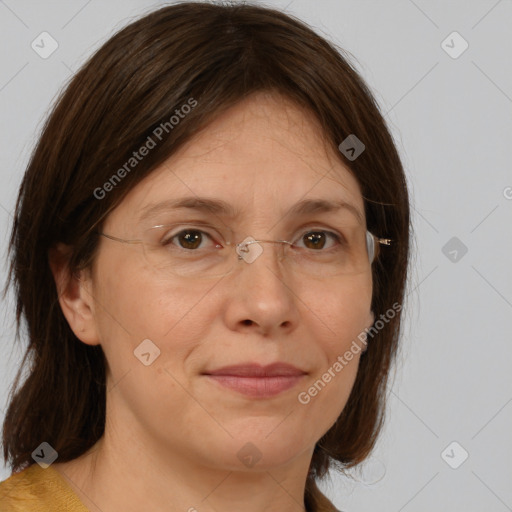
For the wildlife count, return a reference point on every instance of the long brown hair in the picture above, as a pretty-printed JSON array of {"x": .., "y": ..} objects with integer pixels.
[{"x": 218, "y": 55}]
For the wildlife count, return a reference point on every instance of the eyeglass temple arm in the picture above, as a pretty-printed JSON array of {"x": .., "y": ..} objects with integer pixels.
[
  {"x": 115, "y": 238},
  {"x": 384, "y": 241}
]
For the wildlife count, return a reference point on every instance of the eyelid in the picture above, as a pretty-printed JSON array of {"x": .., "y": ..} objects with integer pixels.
[
  {"x": 188, "y": 227},
  {"x": 317, "y": 226}
]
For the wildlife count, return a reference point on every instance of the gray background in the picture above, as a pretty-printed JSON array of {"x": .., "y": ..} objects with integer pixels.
[{"x": 451, "y": 118}]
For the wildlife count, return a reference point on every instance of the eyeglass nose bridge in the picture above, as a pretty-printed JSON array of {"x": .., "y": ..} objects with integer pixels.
[{"x": 244, "y": 253}]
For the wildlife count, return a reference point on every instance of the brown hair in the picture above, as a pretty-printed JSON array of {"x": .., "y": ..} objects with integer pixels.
[{"x": 218, "y": 55}]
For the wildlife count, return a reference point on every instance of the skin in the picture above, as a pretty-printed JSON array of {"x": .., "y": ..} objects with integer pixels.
[{"x": 172, "y": 436}]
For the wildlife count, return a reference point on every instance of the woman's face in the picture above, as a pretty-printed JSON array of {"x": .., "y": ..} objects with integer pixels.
[{"x": 261, "y": 158}]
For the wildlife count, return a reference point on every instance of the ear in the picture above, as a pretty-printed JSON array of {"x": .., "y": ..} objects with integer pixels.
[
  {"x": 75, "y": 295},
  {"x": 369, "y": 323},
  {"x": 371, "y": 319}
]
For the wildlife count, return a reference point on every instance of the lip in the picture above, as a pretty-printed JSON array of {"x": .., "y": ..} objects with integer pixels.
[
  {"x": 257, "y": 381},
  {"x": 258, "y": 370}
]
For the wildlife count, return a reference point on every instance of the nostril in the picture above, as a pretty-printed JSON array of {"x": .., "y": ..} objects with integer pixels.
[{"x": 247, "y": 322}]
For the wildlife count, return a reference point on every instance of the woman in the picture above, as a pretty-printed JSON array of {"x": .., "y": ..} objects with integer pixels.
[{"x": 210, "y": 251}]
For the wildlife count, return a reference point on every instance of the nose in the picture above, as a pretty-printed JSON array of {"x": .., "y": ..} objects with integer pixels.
[{"x": 261, "y": 295}]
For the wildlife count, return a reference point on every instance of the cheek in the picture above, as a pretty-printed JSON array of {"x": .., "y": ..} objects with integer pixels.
[
  {"x": 132, "y": 300},
  {"x": 341, "y": 312},
  {"x": 173, "y": 315},
  {"x": 338, "y": 316},
  {"x": 324, "y": 398},
  {"x": 132, "y": 305}
]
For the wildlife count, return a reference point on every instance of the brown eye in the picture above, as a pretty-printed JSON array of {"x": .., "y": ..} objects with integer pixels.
[
  {"x": 320, "y": 241},
  {"x": 314, "y": 240},
  {"x": 189, "y": 239}
]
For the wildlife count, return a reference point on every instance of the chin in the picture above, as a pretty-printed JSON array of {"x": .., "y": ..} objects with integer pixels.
[{"x": 263, "y": 449}]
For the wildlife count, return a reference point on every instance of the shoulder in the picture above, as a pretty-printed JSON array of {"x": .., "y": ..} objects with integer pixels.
[
  {"x": 19, "y": 490},
  {"x": 35, "y": 489}
]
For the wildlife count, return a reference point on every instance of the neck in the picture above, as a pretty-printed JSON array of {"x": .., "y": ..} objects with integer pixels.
[{"x": 120, "y": 473}]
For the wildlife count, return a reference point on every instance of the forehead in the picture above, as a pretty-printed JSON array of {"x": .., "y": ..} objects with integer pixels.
[{"x": 261, "y": 156}]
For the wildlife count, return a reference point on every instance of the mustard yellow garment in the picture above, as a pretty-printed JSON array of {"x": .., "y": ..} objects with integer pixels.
[{"x": 38, "y": 490}]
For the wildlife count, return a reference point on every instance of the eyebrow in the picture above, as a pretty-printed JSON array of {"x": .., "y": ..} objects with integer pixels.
[{"x": 222, "y": 208}]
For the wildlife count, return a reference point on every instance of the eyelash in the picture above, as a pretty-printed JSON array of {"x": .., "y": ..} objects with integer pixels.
[{"x": 166, "y": 241}]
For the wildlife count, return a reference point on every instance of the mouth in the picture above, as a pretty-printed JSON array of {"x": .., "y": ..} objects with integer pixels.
[{"x": 257, "y": 381}]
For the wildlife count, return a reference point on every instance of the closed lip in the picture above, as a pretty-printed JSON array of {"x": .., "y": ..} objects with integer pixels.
[{"x": 256, "y": 370}]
